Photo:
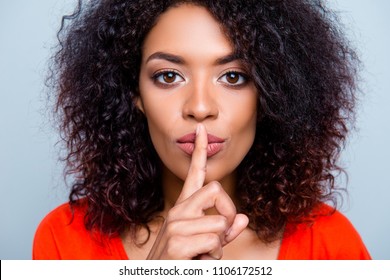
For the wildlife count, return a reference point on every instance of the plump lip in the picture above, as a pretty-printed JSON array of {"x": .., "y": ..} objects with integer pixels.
[
  {"x": 187, "y": 144},
  {"x": 190, "y": 138}
]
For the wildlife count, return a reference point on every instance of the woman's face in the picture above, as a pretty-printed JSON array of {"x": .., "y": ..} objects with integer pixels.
[{"x": 188, "y": 76}]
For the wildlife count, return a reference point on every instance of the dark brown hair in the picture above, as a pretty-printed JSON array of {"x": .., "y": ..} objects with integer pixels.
[{"x": 297, "y": 56}]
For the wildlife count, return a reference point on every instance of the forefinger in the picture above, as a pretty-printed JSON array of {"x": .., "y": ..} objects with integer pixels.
[{"x": 197, "y": 171}]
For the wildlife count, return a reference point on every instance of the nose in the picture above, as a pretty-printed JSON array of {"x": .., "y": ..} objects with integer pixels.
[{"x": 201, "y": 103}]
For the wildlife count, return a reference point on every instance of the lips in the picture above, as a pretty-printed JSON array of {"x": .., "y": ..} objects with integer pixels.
[{"x": 187, "y": 144}]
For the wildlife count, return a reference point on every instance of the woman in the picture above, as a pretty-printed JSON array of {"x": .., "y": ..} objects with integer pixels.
[{"x": 202, "y": 130}]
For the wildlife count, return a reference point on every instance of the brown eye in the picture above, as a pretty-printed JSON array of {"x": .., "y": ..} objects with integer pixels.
[
  {"x": 167, "y": 77},
  {"x": 232, "y": 77}
]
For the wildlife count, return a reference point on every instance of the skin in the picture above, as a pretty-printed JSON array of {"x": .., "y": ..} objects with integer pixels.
[{"x": 191, "y": 83}]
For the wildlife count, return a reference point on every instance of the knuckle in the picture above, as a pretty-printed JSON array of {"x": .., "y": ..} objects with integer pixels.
[
  {"x": 173, "y": 213},
  {"x": 171, "y": 228},
  {"x": 171, "y": 248},
  {"x": 215, "y": 188},
  {"x": 222, "y": 222},
  {"x": 172, "y": 243},
  {"x": 213, "y": 240},
  {"x": 175, "y": 247}
]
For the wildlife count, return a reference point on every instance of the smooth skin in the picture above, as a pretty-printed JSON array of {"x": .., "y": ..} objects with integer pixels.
[
  {"x": 191, "y": 83},
  {"x": 187, "y": 232}
]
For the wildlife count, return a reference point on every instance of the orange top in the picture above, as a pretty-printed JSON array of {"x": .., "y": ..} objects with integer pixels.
[{"x": 330, "y": 237}]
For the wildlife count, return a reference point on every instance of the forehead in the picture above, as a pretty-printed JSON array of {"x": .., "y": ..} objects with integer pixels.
[{"x": 189, "y": 31}]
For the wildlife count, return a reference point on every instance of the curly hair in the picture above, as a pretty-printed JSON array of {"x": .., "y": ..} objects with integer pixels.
[{"x": 305, "y": 74}]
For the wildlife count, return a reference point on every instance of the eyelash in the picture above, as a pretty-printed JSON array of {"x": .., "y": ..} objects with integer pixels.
[
  {"x": 165, "y": 84},
  {"x": 241, "y": 75},
  {"x": 159, "y": 74}
]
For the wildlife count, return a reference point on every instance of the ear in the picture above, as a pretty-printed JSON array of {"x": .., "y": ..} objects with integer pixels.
[{"x": 139, "y": 104}]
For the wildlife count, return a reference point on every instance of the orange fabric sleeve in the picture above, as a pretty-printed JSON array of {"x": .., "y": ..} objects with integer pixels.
[
  {"x": 330, "y": 237},
  {"x": 60, "y": 237}
]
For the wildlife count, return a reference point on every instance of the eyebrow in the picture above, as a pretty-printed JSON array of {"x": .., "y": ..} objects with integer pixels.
[
  {"x": 227, "y": 59},
  {"x": 180, "y": 60},
  {"x": 166, "y": 56}
]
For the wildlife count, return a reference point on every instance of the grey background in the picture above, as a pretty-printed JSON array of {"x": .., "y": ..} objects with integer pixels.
[{"x": 31, "y": 182}]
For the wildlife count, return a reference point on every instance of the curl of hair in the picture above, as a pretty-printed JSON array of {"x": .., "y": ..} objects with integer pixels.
[{"x": 305, "y": 74}]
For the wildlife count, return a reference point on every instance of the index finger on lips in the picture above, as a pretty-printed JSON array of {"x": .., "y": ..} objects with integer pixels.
[{"x": 197, "y": 170}]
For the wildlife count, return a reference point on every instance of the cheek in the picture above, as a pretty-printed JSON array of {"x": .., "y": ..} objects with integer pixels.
[
  {"x": 242, "y": 114},
  {"x": 158, "y": 108},
  {"x": 160, "y": 118},
  {"x": 163, "y": 118},
  {"x": 243, "y": 130},
  {"x": 243, "y": 118}
]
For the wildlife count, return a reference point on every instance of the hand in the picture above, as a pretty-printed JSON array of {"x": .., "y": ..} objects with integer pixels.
[{"x": 187, "y": 232}]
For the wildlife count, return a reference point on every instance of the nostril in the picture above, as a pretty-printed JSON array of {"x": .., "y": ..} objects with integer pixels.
[
  {"x": 200, "y": 113},
  {"x": 200, "y": 108}
]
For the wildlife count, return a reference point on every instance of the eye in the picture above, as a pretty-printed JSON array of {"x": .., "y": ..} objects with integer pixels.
[
  {"x": 167, "y": 77},
  {"x": 233, "y": 78}
]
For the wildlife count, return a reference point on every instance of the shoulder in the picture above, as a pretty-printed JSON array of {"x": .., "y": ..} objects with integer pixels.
[
  {"x": 64, "y": 215},
  {"x": 330, "y": 236},
  {"x": 330, "y": 222},
  {"x": 62, "y": 235},
  {"x": 63, "y": 220},
  {"x": 57, "y": 228}
]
